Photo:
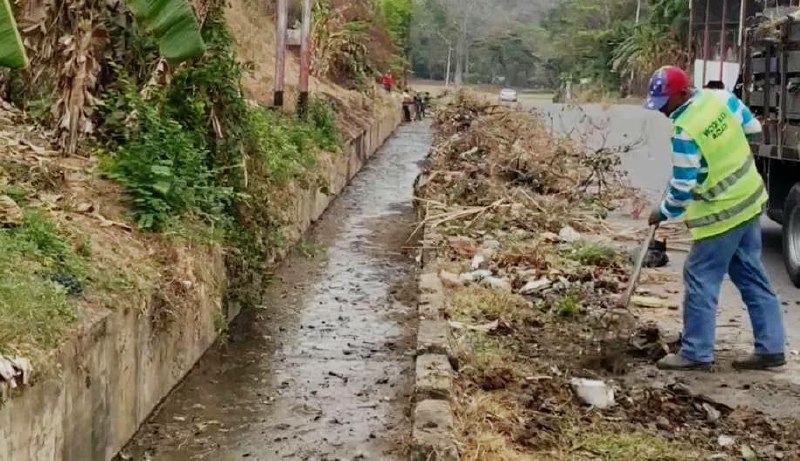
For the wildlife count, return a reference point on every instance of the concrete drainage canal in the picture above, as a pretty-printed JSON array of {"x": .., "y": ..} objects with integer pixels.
[{"x": 324, "y": 370}]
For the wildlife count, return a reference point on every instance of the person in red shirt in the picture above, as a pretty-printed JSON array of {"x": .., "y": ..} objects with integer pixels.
[{"x": 387, "y": 81}]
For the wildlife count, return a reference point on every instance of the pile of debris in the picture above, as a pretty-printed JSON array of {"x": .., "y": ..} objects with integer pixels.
[
  {"x": 501, "y": 191},
  {"x": 532, "y": 273},
  {"x": 489, "y": 161}
]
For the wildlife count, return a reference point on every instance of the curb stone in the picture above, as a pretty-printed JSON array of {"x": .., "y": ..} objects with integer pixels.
[{"x": 432, "y": 437}]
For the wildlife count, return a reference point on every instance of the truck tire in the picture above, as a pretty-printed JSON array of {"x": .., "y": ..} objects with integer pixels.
[{"x": 791, "y": 234}]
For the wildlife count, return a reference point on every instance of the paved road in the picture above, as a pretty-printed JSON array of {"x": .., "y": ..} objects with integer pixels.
[{"x": 648, "y": 165}]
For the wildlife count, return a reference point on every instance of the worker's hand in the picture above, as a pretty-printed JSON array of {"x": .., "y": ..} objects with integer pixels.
[{"x": 655, "y": 217}]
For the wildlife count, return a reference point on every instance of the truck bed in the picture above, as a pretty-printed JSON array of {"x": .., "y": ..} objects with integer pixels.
[{"x": 771, "y": 86}]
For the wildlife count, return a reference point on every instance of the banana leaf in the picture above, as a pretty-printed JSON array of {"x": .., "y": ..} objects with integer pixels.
[
  {"x": 12, "y": 51},
  {"x": 173, "y": 24}
]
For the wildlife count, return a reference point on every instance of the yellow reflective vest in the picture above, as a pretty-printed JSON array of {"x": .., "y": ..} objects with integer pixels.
[{"x": 733, "y": 192}]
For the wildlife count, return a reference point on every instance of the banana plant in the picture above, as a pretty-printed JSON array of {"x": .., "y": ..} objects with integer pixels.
[
  {"x": 172, "y": 22},
  {"x": 174, "y": 25},
  {"x": 12, "y": 51}
]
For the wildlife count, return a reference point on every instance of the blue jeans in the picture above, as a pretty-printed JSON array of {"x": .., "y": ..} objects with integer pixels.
[{"x": 738, "y": 253}]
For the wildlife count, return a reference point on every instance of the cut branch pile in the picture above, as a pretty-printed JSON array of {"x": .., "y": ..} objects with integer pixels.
[{"x": 487, "y": 155}]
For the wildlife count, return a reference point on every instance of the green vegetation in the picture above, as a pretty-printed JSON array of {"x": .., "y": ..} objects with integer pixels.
[
  {"x": 633, "y": 446},
  {"x": 198, "y": 163},
  {"x": 355, "y": 41},
  {"x": 542, "y": 43},
  {"x": 38, "y": 271},
  {"x": 397, "y": 15},
  {"x": 12, "y": 50},
  {"x": 174, "y": 25},
  {"x": 164, "y": 167},
  {"x": 196, "y": 150},
  {"x": 568, "y": 305},
  {"x": 594, "y": 254}
]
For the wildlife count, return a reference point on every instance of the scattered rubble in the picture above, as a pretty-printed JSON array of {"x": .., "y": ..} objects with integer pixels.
[
  {"x": 536, "y": 329},
  {"x": 535, "y": 286},
  {"x": 568, "y": 234}
]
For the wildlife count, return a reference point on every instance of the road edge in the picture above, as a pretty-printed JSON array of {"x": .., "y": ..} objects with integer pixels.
[{"x": 432, "y": 437}]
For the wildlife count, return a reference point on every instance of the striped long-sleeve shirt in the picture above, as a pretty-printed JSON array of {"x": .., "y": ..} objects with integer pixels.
[{"x": 689, "y": 168}]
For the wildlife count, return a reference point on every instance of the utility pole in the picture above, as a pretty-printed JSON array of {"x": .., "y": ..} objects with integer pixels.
[
  {"x": 460, "y": 47},
  {"x": 305, "y": 59},
  {"x": 280, "y": 53},
  {"x": 638, "y": 16},
  {"x": 638, "y": 10},
  {"x": 447, "y": 75}
]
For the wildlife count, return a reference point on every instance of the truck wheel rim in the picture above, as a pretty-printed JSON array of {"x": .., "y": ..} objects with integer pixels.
[{"x": 793, "y": 239}]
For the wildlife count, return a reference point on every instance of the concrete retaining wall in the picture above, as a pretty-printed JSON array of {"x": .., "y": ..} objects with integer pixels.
[
  {"x": 432, "y": 437},
  {"x": 117, "y": 368}
]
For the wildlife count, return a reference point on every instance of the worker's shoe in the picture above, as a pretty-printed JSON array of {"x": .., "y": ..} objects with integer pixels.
[
  {"x": 760, "y": 362},
  {"x": 680, "y": 363}
]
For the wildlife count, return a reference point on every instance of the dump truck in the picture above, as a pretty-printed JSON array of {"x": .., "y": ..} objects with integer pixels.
[
  {"x": 770, "y": 86},
  {"x": 752, "y": 47}
]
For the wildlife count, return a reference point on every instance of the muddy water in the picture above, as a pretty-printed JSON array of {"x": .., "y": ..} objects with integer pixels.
[{"x": 323, "y": 370}]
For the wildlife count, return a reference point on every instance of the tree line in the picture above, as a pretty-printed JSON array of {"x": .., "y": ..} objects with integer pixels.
[{"x": 541, "y": 43}]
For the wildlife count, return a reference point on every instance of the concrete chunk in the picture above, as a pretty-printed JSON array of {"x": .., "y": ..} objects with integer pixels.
[
  {"x": 432, "y": 433},
  {"x": 432, "y": 337},
  {"x": 429, "y": 283},
  {"x": 434, "y": 377}
]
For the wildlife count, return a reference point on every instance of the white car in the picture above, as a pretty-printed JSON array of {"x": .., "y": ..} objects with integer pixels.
[{"x": 508, "y": 95}]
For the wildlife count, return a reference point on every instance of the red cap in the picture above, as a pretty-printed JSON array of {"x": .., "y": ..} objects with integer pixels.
[{"x": 665, "y": 82}]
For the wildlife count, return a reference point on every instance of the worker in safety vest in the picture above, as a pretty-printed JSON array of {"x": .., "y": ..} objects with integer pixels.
[{"x": 718, "y": 192}]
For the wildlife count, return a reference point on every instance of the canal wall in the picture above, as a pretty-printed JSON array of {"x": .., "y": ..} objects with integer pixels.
[{"x": 121, "y": 363}]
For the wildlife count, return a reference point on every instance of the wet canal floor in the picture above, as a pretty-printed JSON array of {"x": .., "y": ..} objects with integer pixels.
[{"x": 322, "y": 371}]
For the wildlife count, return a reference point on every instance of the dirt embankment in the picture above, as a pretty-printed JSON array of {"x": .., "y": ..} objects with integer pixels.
[
  {"x": 77, "y": 270},
  {"x": 532, "y": 276}
]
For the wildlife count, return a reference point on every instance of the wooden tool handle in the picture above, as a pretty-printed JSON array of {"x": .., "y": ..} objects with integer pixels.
[{"x": 637, "y": 268}]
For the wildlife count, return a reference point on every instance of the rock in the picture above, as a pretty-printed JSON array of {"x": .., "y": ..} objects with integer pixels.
[
  {"x": 535, "y": 286},
  {"x": 450, "y": 280},
  {"x": 725, "y": 441},
  {"x": 490, "y": 244},
  {"x": 463, "y": 246},
  {"x": 593, "y": 392},
  {"x": 748, "y": 454},
  {"x": 496, "y": 283},
  {"x": 712, "y": 414},
  {"x": 549, "y": 237},
  {"x": 10, "y": 213},
  {"x": 475, "y": 276},
  {"x": 569, "y": 235},
  {"x": 479, "y": 262},
  {"x": 433, "y": 377},
  {"x": 652, "y": 302}
]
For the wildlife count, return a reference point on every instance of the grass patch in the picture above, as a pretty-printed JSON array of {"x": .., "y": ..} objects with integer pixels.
[
  {"x": 483, "y": 420},
  {"x": 479, "y": 304},
  {"x": 633, "y": 446},
  {"x": 568, "y": 305},
  {"x": 312, "y": 250},
  {"x": 594, "y": 254},
  {"x": 38, "y": 271}
]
